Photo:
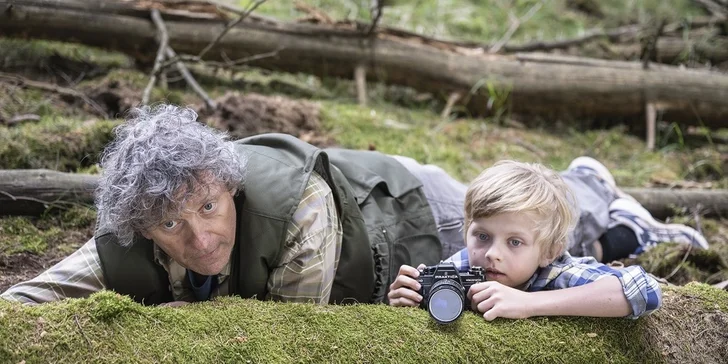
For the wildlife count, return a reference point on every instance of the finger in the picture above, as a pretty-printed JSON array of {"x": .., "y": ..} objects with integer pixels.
[
  {"x": 404, "y": 302},
  {"x": 477, "y": 288},
  {"x": 405, "y": 281},
  {"x": 405, "y": 293},
  {"x": 490, "y": 315},
  {"x": 409, "y": 271},
  {"x": 421, "y": 266},
  {"x": 485, "y": 305}
]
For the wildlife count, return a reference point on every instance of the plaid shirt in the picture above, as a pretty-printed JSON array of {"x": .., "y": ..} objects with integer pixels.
[
  {"x": 304, "y": 274},
  {"x": 642, "y": 291}
]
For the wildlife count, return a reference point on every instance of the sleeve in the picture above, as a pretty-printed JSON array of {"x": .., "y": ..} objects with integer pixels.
[
  {"x": 461, "y": 260},
  {"x": 311, "y": 254},
  {"x": 76, "y": 276},
  {"x": 641, "y": 290}
]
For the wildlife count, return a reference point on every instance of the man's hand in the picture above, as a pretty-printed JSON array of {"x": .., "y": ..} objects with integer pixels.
[
  {"x": 496, "y": 300},
  {"x": 403, "y": 291}
]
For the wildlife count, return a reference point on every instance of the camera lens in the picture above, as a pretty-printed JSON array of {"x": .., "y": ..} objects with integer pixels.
[{"x": 446, "y": 301}]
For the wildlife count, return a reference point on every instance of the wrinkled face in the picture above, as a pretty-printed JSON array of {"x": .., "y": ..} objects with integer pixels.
[
  {"x": 505, "y": 246},
  {"x": 202, "y": 237}
]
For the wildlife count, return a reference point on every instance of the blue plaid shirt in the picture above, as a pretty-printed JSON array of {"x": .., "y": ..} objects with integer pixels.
[{"x": 642, "y": 291}]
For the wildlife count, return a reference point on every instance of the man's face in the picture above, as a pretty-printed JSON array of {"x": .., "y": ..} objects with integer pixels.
[
  {"x": 505, "y": 246},
  {"x": 202, "y": 237}
]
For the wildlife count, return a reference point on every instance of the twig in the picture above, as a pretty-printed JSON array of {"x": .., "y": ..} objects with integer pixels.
[
  {"x": 515, "y": 24},
  {"x": 75, "y": 318},
  {"x": 21, "y": 81},
  {"x": 684, "y": 259},
  {"x": 713, "y": 8},
  {"x": 379, "y": 8},
  {"x": 20, "y": 118},
  {"x": 360, "y": 76},
  {"x": 191, "y": 80},
  {"x": 163, "y": 41},
  {"x": 651, "y": 117},
  {"x": 227, "y": 64},
  {"x": 314, "y": 13},
  {"x": 451, "y": 100},
  {"x": 229, "y": 26},
  {"x": 611, "y": 34}
]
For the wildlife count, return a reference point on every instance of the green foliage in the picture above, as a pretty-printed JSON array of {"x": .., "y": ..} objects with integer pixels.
[{"x": 54, "y": 143}]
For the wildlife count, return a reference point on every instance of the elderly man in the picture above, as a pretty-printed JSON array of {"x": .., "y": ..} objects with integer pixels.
[{"x": 186, "y": 215}]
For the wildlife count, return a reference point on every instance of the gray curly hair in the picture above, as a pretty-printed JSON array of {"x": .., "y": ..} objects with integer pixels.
[{"x": 158, "y": 153}]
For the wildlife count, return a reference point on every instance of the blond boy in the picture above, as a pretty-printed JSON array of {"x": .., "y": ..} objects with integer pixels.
[{"x": 517, "y": 219}]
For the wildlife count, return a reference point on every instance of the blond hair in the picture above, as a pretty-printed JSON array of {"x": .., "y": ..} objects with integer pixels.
[{"x": 515, "y": 187}]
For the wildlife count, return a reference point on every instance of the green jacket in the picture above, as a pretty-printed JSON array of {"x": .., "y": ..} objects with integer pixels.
[{"x": 386, "y": 222}]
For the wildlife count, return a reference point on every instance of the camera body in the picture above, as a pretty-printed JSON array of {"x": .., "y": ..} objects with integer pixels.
[{"x": 444, "y": 290}]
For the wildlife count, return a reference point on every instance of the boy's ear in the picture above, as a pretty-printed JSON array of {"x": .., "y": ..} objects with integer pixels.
[{"x": 549, "y": 255}]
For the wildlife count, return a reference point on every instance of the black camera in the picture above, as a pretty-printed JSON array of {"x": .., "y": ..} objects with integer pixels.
[{"x": 444, "y": 290}]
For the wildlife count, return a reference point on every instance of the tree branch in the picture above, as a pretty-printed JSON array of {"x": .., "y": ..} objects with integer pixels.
[{"x": 163, "y": 43}]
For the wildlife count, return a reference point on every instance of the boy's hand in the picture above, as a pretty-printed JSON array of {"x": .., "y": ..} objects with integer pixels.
[
  {"x": 496, "y": 300},
  {"x": 403, "y": 291}
]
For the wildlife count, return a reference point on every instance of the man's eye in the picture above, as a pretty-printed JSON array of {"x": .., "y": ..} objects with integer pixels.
[
  {"x": 170, "y": 224},
  {"x": 209, "y": 206}
]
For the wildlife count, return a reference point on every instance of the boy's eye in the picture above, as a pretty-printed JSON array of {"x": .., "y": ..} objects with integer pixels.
[
  {"x": 170, "y": 224},
  {"x": 483, "y": 237},
  {"x": 516, "y": 242}
]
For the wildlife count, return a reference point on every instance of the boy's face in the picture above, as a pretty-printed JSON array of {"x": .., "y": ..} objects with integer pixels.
[
  {"x": 203, "y": 235},
  {"x": 505, "y": 246}
]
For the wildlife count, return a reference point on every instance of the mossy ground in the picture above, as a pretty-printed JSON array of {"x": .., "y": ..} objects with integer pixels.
[{"x": 111, "y": 328}]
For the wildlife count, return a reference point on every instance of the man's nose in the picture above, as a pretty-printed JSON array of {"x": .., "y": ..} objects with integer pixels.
[{"x": 201, "y": 237}]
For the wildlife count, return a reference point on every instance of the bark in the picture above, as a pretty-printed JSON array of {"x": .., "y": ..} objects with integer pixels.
[
  {"x": 29, "y": 192},
  {"x": 662, "y": 203},
  {"x": 543, "y": 89}
]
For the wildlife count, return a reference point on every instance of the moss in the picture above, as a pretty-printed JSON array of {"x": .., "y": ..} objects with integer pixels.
[
  {"x": 19, "y": 235},
  {"x": 55, "y": 143},
  {"x": 58, "y": 234},
  {"x": 110, "y": 328},
  {"x": 680, "y": 266}
]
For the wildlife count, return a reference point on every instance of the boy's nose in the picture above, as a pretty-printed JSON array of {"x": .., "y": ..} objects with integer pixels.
[{"x": 493, "y": 253}]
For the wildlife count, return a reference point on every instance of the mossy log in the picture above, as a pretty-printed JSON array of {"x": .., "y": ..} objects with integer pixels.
[
  {"x": 110, "y": 328},
  {"x": 544, "y": 88},
  {"x": 32, "y": 191}
]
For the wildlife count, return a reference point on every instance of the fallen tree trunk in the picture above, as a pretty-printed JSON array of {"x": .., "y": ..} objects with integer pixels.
[
  {"x": 32, "y": 191},
  {"x": 689, "y": 328},
  {"x": 545, "y": 89},
  {"x": 673, "y": 50}
]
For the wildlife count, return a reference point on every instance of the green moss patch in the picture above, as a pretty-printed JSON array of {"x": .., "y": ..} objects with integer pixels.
[
  {"x": 57, "y": 143},
  {"x": 110, "y": 328}
]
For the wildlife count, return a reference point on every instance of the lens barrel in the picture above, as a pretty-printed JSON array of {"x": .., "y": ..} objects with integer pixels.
[{"x": 446, "y": 301}]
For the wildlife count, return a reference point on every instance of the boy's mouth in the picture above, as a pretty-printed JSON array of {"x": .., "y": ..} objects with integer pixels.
[{"x": 493, "y": 272}]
